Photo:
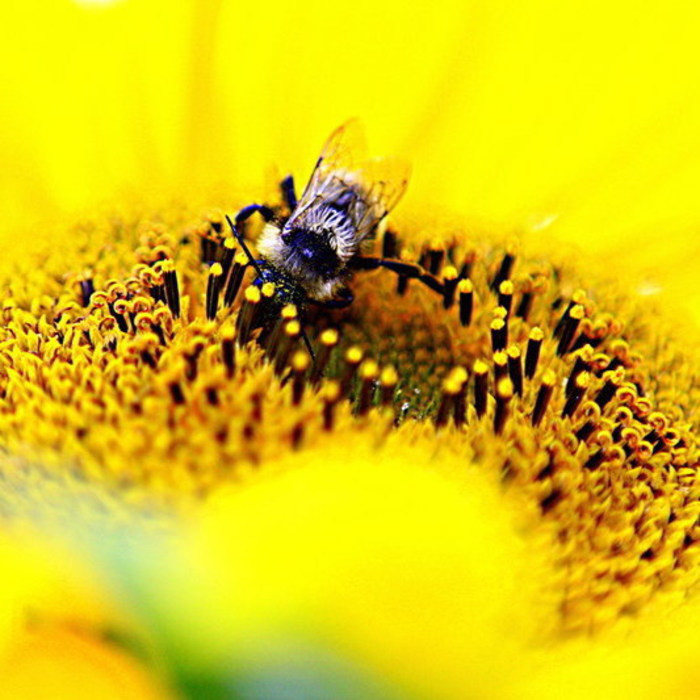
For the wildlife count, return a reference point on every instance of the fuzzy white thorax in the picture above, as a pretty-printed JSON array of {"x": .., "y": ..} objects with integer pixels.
[{"x": 277, "y": 253}]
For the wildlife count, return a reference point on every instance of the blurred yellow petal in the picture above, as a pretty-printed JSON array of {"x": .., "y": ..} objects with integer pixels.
[
  {"x": 58, "y": 663},
  {"x": 385, "y": 558},
  {"x": 363, "y": 555}
]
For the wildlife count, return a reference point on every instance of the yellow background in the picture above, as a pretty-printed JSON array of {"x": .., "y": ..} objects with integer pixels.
[{"x": 512, "y": 112}]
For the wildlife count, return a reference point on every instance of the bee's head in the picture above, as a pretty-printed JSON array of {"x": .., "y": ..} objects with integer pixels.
[{"x": 313, "y": 250}]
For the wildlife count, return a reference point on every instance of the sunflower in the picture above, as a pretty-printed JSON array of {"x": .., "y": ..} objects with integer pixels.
[{"x": 480, "y": 487}]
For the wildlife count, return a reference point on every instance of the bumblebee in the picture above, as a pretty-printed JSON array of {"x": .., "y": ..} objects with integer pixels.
[{"x": 311, "y": 254}]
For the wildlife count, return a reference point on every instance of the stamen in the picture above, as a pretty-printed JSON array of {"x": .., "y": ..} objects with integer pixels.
[
  {"x": 608, "y": 390},
  {"x": 369, "y": 371},
  {"x": 466, "y": 301},
  {"x": 228, "y": 351},
  {"x": 505, "y": 296},
  {"x": 548, "y": 502},
  {"x": 271, "y": 342},
  {"x": 353, "y": 357},
  {"x": 388, "y": 380},
  {"x": 145, "y": 344},
  {"x": 450, "y": 279},
  {"x": 467, "y": 264},
  {"x": 543, "y": 396},
  {"x": 595, "y": 460},
  {"x": 328, "y": 340},
  {"x": 525, "y": 305},
  {"x": 581, "y": 383},
  {"x": 532, "y": 354},
  {"x": 157, "y": 328},
  {"x": 227, "y": 257},
  {"x": 212, "y": 394},
  {"x": 577, "y": 298},
  {"x": 504, "y": 393},
  {"x": 246, "y": 314},
  {"x": 504, "y": 271},
  {"x": 297, "y": 435},
  {"x": 515, "y": 369},
  {"x": 500, "y": 366},
  {"x": 573, "y": 318},
  {"x": 191, "y": 356},
  {"x": 213, "y": 289},
  {"x": 87, "y": 289},
  {"x": 235, "y": 277},
  {"x": 174, "y": 387},
  {"x": 256, "y": 402},
  {"x": 330, "y": 394},
  {"x": 290, "y": 334},
  {"x": 157, "y": 291},
  {"x": 172, "y": 290},
  {"x": 582, "y": 364},
  {"x": 436, "y": 256},
  {"x": 499, "y": 334},
  {"x": 481, "y": 384},
  {"x": 300, "y": 363},
  {"x": 460, "y": 377},
  {"x": 207, "y": 247},
  {"x": 215, "y": 221},
  {"x": 585, "y": 431},
  {"x": 451, "y": 387},
  {"x": 118, "y": 309}
]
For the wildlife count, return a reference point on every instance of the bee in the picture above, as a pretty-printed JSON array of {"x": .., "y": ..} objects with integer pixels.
[{"x": 311, "y": 254}]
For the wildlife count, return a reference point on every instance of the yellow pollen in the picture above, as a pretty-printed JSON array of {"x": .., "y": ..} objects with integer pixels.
[
  {"x": 389, "y": 376},
  {"x": 268, "y": 289},
  {"x": 506, "y": 287},
  {"x": 369, "y": 370},
  {"x": 253, "y": 295},
  {"x": 465, "y": 286},
  {"x": 450, "y": 273},
  {"x": 330, "y": 337},
  {"x": 289, "y": 311}
]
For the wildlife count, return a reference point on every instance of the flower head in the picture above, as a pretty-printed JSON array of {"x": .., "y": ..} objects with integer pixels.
[
  {"x": 141, "y": 377},
  {"x": 479, "y": 485}
]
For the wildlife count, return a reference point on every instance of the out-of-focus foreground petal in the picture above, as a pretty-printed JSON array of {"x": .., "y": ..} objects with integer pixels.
[{"x": 417, "y": 581}]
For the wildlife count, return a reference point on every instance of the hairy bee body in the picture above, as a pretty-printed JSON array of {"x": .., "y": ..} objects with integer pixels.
[{"x": 341, "y": 208}]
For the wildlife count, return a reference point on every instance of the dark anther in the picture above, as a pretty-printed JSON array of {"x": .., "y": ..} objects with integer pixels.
[
  {"x": 525, "y": 306},
  {"x": 87, "y": 288},
  {"x": 390, "y": 248},
  {"x": 547, "y": 503},
  {"x": 515, "y": 369},
  {"x": 466, "y": 301},
  {"x": 532, "y": 354},
  {"x": 481, "y": 384},
  {"x": 503, "y": 271},
  {"x": 543, "y": 396}
]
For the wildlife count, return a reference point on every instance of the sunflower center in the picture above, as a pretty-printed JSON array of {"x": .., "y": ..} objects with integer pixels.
[{"x": 151, "y": 368}]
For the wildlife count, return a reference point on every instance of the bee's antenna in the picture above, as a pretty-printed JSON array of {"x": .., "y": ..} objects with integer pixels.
[{"x": 246, "y": 250}]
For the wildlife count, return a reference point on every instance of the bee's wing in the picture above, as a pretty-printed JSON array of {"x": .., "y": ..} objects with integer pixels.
[
  {"x": 377, "y": 184},
  {"x": 385, "y": 181},
  {"x": 345, "y": 148}
]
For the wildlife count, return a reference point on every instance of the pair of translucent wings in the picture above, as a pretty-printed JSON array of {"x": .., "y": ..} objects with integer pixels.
[{"x": 373, "y": 186}]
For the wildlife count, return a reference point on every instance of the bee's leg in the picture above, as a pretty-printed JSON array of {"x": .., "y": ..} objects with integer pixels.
[
  {"x": 288, "y": 192},
  {"x": 411, "y": 270},
  {"x": 245, "y": 213},
  {"x": 341, "y": 302},
  {"x": 307, "y": 342}
]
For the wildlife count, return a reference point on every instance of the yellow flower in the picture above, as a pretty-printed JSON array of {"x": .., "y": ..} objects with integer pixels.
[{"x": 486, "y": 490}]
